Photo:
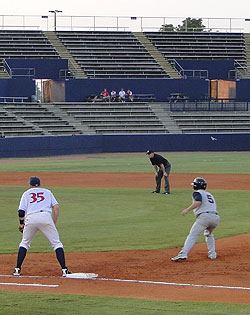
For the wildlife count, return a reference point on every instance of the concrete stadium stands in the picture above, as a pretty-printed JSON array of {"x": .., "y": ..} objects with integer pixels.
[
  {"x": 121, "y": 55},
  {"x": 111, "y": 55},
  {"x": 32, "y": 119},
  {"x": 207, "y": 122},
  {"x": 25, "y": 44},
  {"x": 108, "y": 118},
  {"x": 28, "y": 119},
  {"x": 200, "y": 45},
  {"x": 10, "y": 125},
  {"x": 107, "y": 54}
]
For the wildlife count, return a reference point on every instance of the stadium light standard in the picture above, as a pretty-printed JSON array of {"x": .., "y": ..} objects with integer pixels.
[{"x": 55, "y": 12}]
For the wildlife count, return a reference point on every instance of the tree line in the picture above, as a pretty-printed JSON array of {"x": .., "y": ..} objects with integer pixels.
[{"x": 188, "y": 25}]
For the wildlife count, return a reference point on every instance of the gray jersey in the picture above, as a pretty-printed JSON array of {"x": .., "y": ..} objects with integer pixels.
[{"x": 208, "y": 203}]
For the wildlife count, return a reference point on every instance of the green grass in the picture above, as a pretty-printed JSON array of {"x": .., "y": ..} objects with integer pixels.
[
  {"x": 182, "y": 162},
  {"x": 99, "y": 219},
  {"x": 94, "y": 219},
  {"x": 14, "y": 303}
]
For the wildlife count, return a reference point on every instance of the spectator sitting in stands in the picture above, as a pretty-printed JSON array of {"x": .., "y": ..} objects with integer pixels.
[
  {"x": 105, "y": 95},
  {"x": 122, "y": 95},
  {"x": 113, "y": 96},
  {"x": 130, "y": 95}
]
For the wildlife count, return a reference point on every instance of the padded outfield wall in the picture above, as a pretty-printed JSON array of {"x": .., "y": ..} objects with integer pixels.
[{"x": 79, "y": 144}]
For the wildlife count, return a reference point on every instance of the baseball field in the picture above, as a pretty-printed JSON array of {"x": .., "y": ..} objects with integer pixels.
[{"x": 111, "y": 224}]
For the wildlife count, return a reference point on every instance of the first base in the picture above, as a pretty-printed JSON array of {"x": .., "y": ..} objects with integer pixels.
[{"x": 81, "y": 275}]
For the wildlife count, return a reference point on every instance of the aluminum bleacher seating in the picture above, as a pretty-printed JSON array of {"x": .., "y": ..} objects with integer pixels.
[
  {"x": 205, "y": 122},
  {"x": 33, "y": 119},
  {"x": 200, "y": 45},
  {"x": 116, "y": 118},
  {"x": 103, "y": 54},
  {"x": 25, "y": 44},
  {"x": 11, "y": 126}
]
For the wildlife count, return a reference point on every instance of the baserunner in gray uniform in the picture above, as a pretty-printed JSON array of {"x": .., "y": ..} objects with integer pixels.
[{"x": 207, "y": 219}]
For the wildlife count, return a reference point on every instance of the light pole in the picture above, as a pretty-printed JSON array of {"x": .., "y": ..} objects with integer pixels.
[{"x": 55, "y": 12}]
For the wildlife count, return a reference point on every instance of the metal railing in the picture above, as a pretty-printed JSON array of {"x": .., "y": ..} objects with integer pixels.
[
  {"x": 117, "y": 23},
  {"x": 19, "y": 72},
  {"x": 65, "y": 74},
  {"x": 6, "y": 67},
  {"x": 23, "y": 73},
  {"x": 187, "y": 105},
  {"x": 190, "y": 73},
  {"x": 13, "y": 99},
  {"x": 196, "y": 74}
]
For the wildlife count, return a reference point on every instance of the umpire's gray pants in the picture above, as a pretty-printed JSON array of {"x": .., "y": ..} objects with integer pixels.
[{"x": 166, "y": 178}]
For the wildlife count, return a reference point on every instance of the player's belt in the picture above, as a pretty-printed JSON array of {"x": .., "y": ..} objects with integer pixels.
[{"x": 206, "y": 212}]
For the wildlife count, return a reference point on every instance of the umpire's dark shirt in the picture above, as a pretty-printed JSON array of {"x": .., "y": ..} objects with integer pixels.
[{"x": 158, "y": 160}]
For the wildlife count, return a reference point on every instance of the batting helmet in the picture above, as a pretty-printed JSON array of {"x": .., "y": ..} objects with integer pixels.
[
  {"x": 34, "y": 181},
  {"x": 199, "y": 183}
]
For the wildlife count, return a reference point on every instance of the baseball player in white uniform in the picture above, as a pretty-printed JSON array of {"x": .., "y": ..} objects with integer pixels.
[
  {"x": 207, "y": 219},
  {"x": 35, "y": 212}
]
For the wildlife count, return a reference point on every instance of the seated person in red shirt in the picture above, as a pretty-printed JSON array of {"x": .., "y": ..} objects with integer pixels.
[{"x": 105, "y": 95}]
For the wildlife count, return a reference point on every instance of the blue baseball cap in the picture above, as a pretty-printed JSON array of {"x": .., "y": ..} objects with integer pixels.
[{"x": 34, "y": 181}]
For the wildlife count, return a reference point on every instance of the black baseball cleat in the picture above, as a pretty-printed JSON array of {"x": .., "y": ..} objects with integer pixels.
[
  {"x": 66, "y": 272},
  {"x": 17, "y": 272},
  {"x": 155, "y": 192},
  {"x": 166, "y": 193}
]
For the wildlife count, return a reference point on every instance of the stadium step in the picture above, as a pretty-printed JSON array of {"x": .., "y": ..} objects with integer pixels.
[
  {"x": 65, "y": 54},
  {"x": 155, "y": 53}
]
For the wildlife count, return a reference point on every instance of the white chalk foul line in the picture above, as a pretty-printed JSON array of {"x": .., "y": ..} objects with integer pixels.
[
  {"x": 11, "y": 276},
  {"x": 143, "y": 281},
  {"x": 30, "y": 284},
  {"x": 177, "y": 284}
]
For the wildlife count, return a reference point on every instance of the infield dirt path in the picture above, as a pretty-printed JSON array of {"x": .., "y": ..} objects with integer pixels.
[
  {"x": 230, "y": 269},
  {"x": 133, "y": 180}
]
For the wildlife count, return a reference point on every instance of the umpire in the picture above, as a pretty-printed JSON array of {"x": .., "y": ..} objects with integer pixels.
[{"x": 162, "y": 168}]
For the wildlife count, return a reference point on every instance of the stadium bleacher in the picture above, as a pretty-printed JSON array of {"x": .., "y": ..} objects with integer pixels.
[
  {"x": 25, "y": 44},
  {"x": 115, "y": 117},
  {"x": 200, "y": 45},
  {"x": 32, "y": 119},
  {"x": 111, "y": 55},
  {"x": 206, "y": 122},
  {"x": 106, "y": 55}
]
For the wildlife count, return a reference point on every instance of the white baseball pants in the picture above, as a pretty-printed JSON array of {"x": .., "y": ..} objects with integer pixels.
[{"x": 40, "y": 221}]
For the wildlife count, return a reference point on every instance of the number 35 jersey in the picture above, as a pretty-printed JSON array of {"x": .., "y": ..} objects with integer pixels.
[
  {"x": 208, "y": 203},
  {"x": 37, "y": 199}
]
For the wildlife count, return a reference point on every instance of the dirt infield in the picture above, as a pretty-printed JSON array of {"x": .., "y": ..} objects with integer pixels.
[
  {"x": 151, "y": 265},
  {"x": 134, "y": 180},
  {"x": 226, "y": 279}
]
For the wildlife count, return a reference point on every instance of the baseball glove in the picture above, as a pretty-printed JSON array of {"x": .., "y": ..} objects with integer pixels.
[{"x": 21, "y": 227}]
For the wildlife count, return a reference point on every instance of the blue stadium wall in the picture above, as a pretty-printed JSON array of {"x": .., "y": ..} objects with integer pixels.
[
  {"x": 17, "y": 88},
  {"x": 43, "y": 68},
  {"x": 216, "y": 69},
  {"x": 65, "y": 145},
  {"x": 79, "y": 89},
  {"x": 243, "y": 89}
]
